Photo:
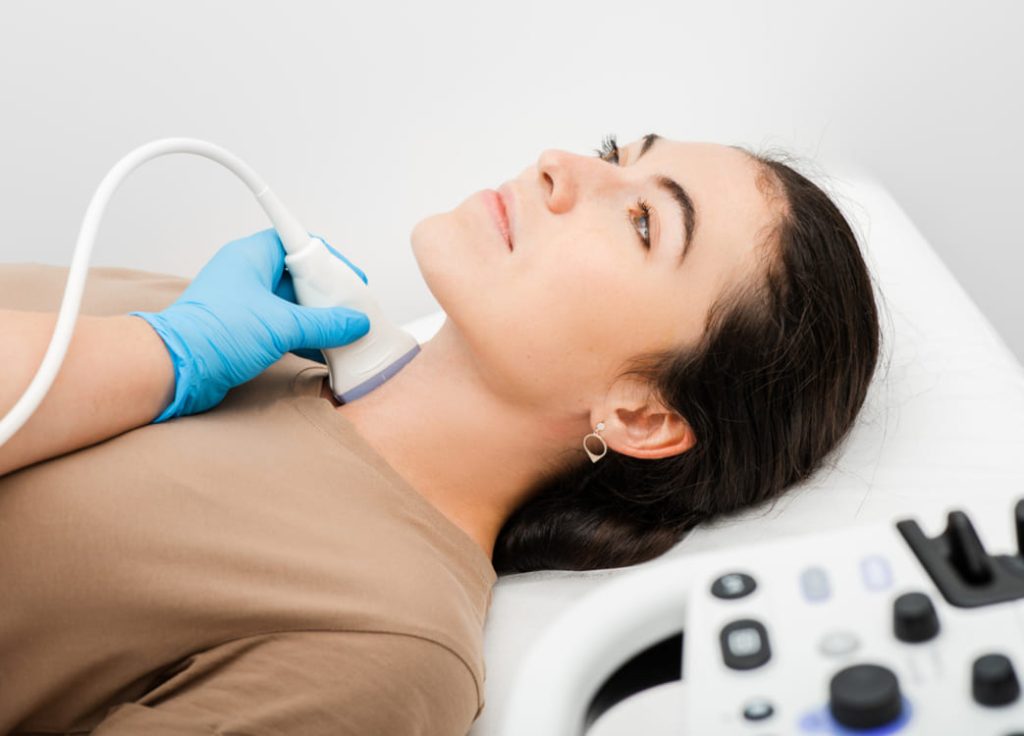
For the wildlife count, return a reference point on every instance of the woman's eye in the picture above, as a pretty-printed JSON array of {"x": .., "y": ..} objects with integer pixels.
[
  {"x": 646, "y": 217},
  {"x": 609, "y": 147}
]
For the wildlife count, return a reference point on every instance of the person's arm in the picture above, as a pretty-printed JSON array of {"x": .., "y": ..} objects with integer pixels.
[{"x": 116, "y": 375}]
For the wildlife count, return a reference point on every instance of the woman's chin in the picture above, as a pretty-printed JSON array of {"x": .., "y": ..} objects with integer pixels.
[
  {"x": 428, "y": 243},
  {"x": 442, "y": 269}
]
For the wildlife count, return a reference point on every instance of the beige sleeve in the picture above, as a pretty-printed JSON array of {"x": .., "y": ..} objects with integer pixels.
[
  {"x": 35, "y": 287},
  {"x": 315, "y": 683}
]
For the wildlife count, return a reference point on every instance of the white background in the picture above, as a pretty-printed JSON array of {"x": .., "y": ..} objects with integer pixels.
[{"x": 367, "y": 117}]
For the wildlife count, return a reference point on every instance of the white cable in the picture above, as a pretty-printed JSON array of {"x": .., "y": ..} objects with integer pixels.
[{"x": 287, "y": 227}]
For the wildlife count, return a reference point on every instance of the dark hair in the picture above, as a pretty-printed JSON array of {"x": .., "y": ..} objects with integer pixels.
[{"x": 770, "y": 389}]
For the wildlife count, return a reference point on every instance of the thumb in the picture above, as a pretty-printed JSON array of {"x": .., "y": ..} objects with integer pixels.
[{"x": 328, "y": 327}]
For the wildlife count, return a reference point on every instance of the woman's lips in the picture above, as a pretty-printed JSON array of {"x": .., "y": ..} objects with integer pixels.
[
  {"x": 508, "y": 201},
  {"x": 496, "y": 206}
]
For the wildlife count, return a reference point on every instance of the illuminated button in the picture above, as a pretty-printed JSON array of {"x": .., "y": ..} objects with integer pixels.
[
  {"x": 814, "y": 584},
  {"x": 875, "y": 572},
  {"x": 744, "y": 644},
  {"x": 838, "y": 643},
  {"x": 733, "y": 585},
  {"x": 757, "y": 709}
]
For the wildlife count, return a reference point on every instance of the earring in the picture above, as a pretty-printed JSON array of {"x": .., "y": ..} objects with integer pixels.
[{"x": 594, "y": 458}]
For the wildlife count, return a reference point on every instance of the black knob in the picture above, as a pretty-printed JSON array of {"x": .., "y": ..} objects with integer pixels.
[
  {"x": 914, "y": 618},
  {"x": 1018, "y": 522},
  {"x": 865, "y": 696},
  {"x": 966, "y": 552},
  {"x": 993, "y": 681}
]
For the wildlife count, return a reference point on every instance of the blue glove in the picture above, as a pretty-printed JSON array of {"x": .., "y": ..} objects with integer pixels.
[{"x": 238, "y": 317}]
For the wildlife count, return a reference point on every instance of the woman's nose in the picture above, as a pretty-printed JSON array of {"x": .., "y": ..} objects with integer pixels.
[{"x": 559, "y": 172}]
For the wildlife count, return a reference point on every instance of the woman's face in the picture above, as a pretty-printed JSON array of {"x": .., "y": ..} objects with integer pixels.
[{"x": 551, "y": 323}]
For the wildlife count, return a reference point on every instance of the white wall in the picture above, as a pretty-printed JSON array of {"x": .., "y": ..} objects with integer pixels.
[{"x": 366, "y": 117}]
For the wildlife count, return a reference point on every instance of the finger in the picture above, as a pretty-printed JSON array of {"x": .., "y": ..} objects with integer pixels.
[
  {"x": 326, "y": 327},
  {"x": 267, "y": 253}
]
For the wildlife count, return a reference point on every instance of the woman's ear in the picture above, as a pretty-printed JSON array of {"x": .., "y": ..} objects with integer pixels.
[
  {"x": 638, "y": 424},
  {"x": 650, "y": 431}
]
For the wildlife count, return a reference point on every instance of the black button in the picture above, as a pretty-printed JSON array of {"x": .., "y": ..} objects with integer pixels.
[
  {"x": 744, "y": 644},
  {"x": 993, "y": 681},
  {"x": 865, "y": 696},
  {"x": 757, "y": 710},
  {"x": 733, "y": 585},
  {"x": 914, "y": 618}
]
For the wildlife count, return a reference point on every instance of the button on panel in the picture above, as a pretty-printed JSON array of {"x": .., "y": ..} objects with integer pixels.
[
  {"x": 914, "y": 618},
  {"x": 865, "y": 696},
  {"x": 733, "y": 585},
  {"x": 757, "y": 709},
  {"x": 875, "y": 572},
  {"x": 994, "y": 681},
  {"x": 814, "y": 584},
  {"x": 744, "y": 644},
  {"x": 838, "y": 643}
]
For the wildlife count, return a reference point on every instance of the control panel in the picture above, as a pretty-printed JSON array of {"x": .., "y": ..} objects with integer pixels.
[{"x": 869, "y": 630}]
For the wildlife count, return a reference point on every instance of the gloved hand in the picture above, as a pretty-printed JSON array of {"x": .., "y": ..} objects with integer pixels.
[{"x": 238, "y": 317}]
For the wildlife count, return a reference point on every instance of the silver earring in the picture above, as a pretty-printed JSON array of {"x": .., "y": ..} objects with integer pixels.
[{"x": 594, "y": 458}]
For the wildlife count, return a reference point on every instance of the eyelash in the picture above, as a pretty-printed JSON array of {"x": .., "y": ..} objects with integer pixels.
[{"x": 608, "y": 148}]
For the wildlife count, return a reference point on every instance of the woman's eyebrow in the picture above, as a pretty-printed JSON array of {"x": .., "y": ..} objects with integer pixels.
[
  {"x": 687, "y": 212},
  {"x": 648, "y": 142}
]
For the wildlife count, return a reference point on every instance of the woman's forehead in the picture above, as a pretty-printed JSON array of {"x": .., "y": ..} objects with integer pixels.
[{"x": 721, "y": 180}]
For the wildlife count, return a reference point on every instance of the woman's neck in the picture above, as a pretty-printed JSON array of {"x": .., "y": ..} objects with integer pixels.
[{"x": 472, "y": 455}]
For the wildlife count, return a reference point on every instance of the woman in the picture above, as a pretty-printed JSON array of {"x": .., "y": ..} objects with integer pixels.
[
  {"x": 700, "y": 317},
  {"x": 726, "y": 349}
]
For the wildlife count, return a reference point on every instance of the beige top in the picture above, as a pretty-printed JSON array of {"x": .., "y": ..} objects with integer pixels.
[{"x": 255, "y": 569}]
